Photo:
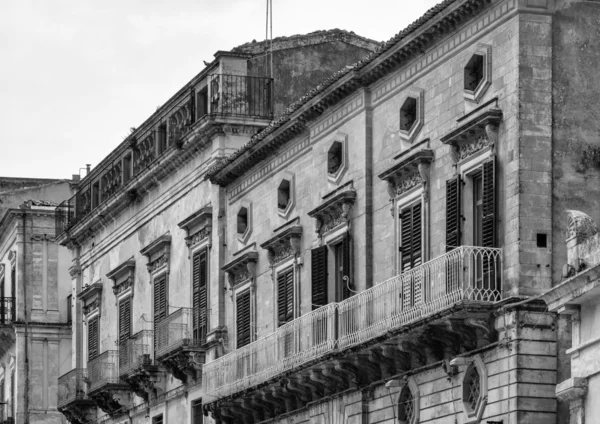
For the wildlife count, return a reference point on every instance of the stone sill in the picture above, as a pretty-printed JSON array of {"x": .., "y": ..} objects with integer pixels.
[{"x": 575, "y": 350}]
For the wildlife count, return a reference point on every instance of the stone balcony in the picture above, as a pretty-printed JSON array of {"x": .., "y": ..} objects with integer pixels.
[
  {"x": 137, "y": 367},
  {"x": 73, "y": 401},
  {"x": 430, "y": 313},
  {"x": 179, "y": 345},
  {"x": 105, "y": 387}
]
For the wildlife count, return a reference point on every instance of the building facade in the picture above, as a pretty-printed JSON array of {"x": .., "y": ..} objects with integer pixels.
[
  {"x": 379, "y": 252},
  {"x": 35, "y": 295}
]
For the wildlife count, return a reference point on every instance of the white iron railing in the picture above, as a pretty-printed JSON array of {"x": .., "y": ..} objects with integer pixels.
[
  {"x": 174, "y": 331},
  {"x": 465, "y": 273}
]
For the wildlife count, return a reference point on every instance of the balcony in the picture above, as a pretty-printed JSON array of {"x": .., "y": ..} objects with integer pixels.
[
  {"x": 427, "y": 314},
  {"x": 228, "y": 102},
  {"x": 73, "y": 401},
  {"x": 104, "y": 385},
  {"x": 136, "y": 366},
  {"x": 7, "y": 310},
  {"x": 179, "y": 344}
]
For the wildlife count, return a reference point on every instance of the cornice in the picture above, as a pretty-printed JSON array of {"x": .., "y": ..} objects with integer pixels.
[
  {"x": 123, "y": 277},
  {"x": 158, "y": 253},
  {"x": 283, "y": 245},
  {"x": 412, "y": 170},
  {"x": 335, "y": 210},
  {"x": 241, "y": 269}
]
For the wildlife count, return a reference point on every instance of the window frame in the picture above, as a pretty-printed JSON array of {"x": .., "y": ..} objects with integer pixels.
[
  {"x": 408, "y": 200},
  {"x": 287, "y": 265},
  {"x": 241, "y": 289},
  {"x": 202, "y": 247}
]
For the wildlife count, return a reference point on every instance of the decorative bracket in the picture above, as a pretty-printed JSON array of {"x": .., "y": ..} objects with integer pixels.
[
  {"x": 241, "y": 269},
  {"x": 122, "y": 277},
  {"x": 198, "y": 226},
  {"x": 91, "y": 297},
  {"x": 412, "y": 170},
  {"x": 158, "y": 253},
  {"x": 335, "y": 211},
  {"x": 284, "y": 245}
]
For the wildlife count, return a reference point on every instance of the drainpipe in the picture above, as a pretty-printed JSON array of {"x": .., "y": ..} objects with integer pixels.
[{"x": 24, "y": 280}]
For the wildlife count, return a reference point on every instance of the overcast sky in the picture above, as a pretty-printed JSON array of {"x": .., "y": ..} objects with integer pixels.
[{"x": 75, "y": 75}]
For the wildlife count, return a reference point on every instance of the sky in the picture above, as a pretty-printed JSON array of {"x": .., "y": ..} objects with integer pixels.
[{"x": 76, "y": 75}]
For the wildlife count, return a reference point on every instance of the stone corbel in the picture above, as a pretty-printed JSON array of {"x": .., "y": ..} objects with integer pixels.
[
  {"x": 241, "y": 269},
  {"x": 284, "y": 245},
  {"x": 198, "y": 226},
  {"x": 91, "y": 297},
  {"x": 411, "y": 171},
  {"x": 158, "y": 253},
  {"x": 123, "y": 277},
  {"x": 335, "y": 210}
]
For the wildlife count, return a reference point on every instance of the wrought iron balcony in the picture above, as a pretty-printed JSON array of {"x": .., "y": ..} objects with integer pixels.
[
  {"x": 104, "y": 385},
  {"x": 7, "y": 310},
  {"x": 465, "y": 274},
  {"x": 135, "y": 352},
  {"x": 226, "y": 100},
  {"x": 178, "y": 344},
  {"x": 73, "y": 401}
]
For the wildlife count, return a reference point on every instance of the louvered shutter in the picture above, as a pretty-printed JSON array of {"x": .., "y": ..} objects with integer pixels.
[
  {"x": 93, "y": 338},
  {"x": 243, "y": 319},
  {"x": 319, "y": 276},
  {"x": 124, "y": 319},
  {"x": 488, "y": 230},
  {"x": 192, "y": 105},
  {"x": 285, "y": 296},
  {"x": 13, "y": 283},
  {"x": 200, "y": 304},
  {"x": 411, "y": 237},
  {"x": 347, "y": 282},
  {"x": 160, "y": 299},
  {"x": 453, "y": 217}
]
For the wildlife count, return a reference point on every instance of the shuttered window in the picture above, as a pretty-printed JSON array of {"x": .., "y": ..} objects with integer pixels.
[
  {"x": 285, "y": 296},
  {"x": 160, "y": 298},
  {"x": 488, "y": 230},
  {"x": 93, "y": 338},
  {"x": 13, "y": 282},
  {"x": 411, "y": 236},
  {"x": 346, "y": 270},
  {"x": 200, "y": 300},
  {"x": 243, "y": 319},
  {"x": 124, "y": 319},
  {"x": 197, "y": 415},
  {"x": 453, "y": 216},
  {"x": 319, "y": 276}
]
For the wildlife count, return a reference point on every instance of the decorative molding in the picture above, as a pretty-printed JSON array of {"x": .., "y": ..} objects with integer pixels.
[
  {"x": 473, "y": 415},
  {"x": 484, "y": 50},
  {"x": 123, "y": 277},
  {"x": 198, "y": 226},
  {"x": 12, "y": 257},
  {"x": 335, "y": 211},
  {"x": 580, "y": 225},
  {"x": 418, "y": 94},
  {"x": 410, "y": 172},
  {"x": 75, "y": 270},
  {"x": 333, "y": 118},
  {"x": 241, "y": 269},
  {"x": 158, "y": 253},
  {"x": 474, "y": 135},
  {"x": 91, "y": 296},
  {"x": 572, "y": 389},
  {"x": 284, "y": 245}
]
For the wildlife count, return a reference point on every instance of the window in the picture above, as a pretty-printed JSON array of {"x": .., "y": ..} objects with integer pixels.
[
  {"x": 408, "y": 114},
  {"x": 162, "y": 138},
  {"x": 337, "y": 158},
  {"x": 93, "y": 338},
  {"x": 410, "y": 236},
  {"x": 95, "y": 194},
  {"x": 406, "y": 406},
  {"x": 200, "y": 295},
  {"x": 411, "y": 114},
  {"x": 197, "y": 415},
  {"x": 474, "y": 72},
  {"x": 127, "y": 168},
  {"x": 160, "y": 298},
  {"x": 477, "y": 73},
  {"x": 157, "y": 419},
  {"x": 69, "y": 308},
  {"x": 474, "y": 391},
  {"x": 243, "y": 319},
  {"x": 202, "y": 103},
  {"x": 319, "y": 277},
  {"x": 285, "y": 296},
  {"x": 124, "y": 329},
  {"x": 283, "y": 195},
  {"x": 333, "y": 260},
  {"x": 334, "y": 157}
]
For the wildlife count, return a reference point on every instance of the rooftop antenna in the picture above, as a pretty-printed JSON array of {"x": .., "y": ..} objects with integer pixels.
[{"x": 269, "y": 37}]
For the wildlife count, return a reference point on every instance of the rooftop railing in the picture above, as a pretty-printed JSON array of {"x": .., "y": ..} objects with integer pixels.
[
  {"x": 465, "y": 273},
  {"x": 103, "y": 370},
  {"x": 135, "y": 352},
  {"x": 7, "y": 310},
  {"x": 71, "y": 387},
  {"x": 175, "y": 331},
  {"x": 225, "y": 95}
]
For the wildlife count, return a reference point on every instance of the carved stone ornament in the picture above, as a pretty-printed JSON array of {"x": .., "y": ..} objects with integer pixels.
[
  {"x": 123, "y": 277},
  {"x": 12, "y": 256},
  {"x": 2, "y": 270},
  {"x": 478, "y": 132},
  {"x": 91, "y": 296},
  {"x": 580, "y": 225},
  {"x": 158, "y": 253},
  {"x": 241, "y": 269},
  {"x": 198, "y": 226},
  {"x": 75, "y": 270},
  {"x": 335, "y": 211},
  {"x": 284, "y": 245},
  {"x": 411, "y": 171}
]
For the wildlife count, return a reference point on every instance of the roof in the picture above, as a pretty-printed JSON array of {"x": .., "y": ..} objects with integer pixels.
[{"x": 340, "y": 85}]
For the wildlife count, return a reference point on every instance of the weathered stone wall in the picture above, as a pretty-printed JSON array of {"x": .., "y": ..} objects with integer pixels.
[{"x": 575, "y": 130}]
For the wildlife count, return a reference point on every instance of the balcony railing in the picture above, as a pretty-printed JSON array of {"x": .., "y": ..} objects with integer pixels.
[
  {"x": 135, "y": 352},
  {"x": 465, "y": 273},
  {"x": 175, "y": 331},
  {"x": 226, "y": 95},
  {"x": 71, "y": 387},
  {"x": 103, "y": 370},
  {"x": 7, "y": 310}
]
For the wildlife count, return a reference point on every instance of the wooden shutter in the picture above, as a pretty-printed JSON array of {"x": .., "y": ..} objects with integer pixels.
[
  {"x": 192, "y": 105},
  {"x": 160, "y": 298},
  {"x": 197, "y": 415},
  {"x": 243, "y": 319},
  {"x": 319, "y": 276},
  {"x": 347, "y": 281},
  {"x": 13, "y": 283},
  {"x": 453, "y": 217},
  {"x": 488, "y": 230},
  {"x": 124, "y": 319},
  {"x": 200, "y": 300},
  {"x": 285, "y": 296},
  {"x": 411, "y": 235},
  {"x": 93, "y": 338}
]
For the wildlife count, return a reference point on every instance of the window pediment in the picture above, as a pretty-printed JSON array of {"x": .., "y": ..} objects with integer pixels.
[
  {"x": 198, "y": 226},
  {"x": 284, "y": 245},
  {"x": 336, "y": 209},
  {"x": 122, "y": 277},
  {"x": 411, "y": 171},
  {"x": 479, "y": 132},
  {"x": 158, "y": 253},
  {"x": 241, "y": 269},
  {"x": 91, "y": 297}
]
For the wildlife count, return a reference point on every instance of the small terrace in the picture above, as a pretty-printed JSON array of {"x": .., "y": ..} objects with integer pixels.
[
  {"x": 136, "y": 366},
  {"x": 105, "y": 388},
  {"x": 179, "y": 341},
  {"x": 225, "y": 100},
  {"x": 422, "y": 316},
  {"x": 73, "y": 401}
]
